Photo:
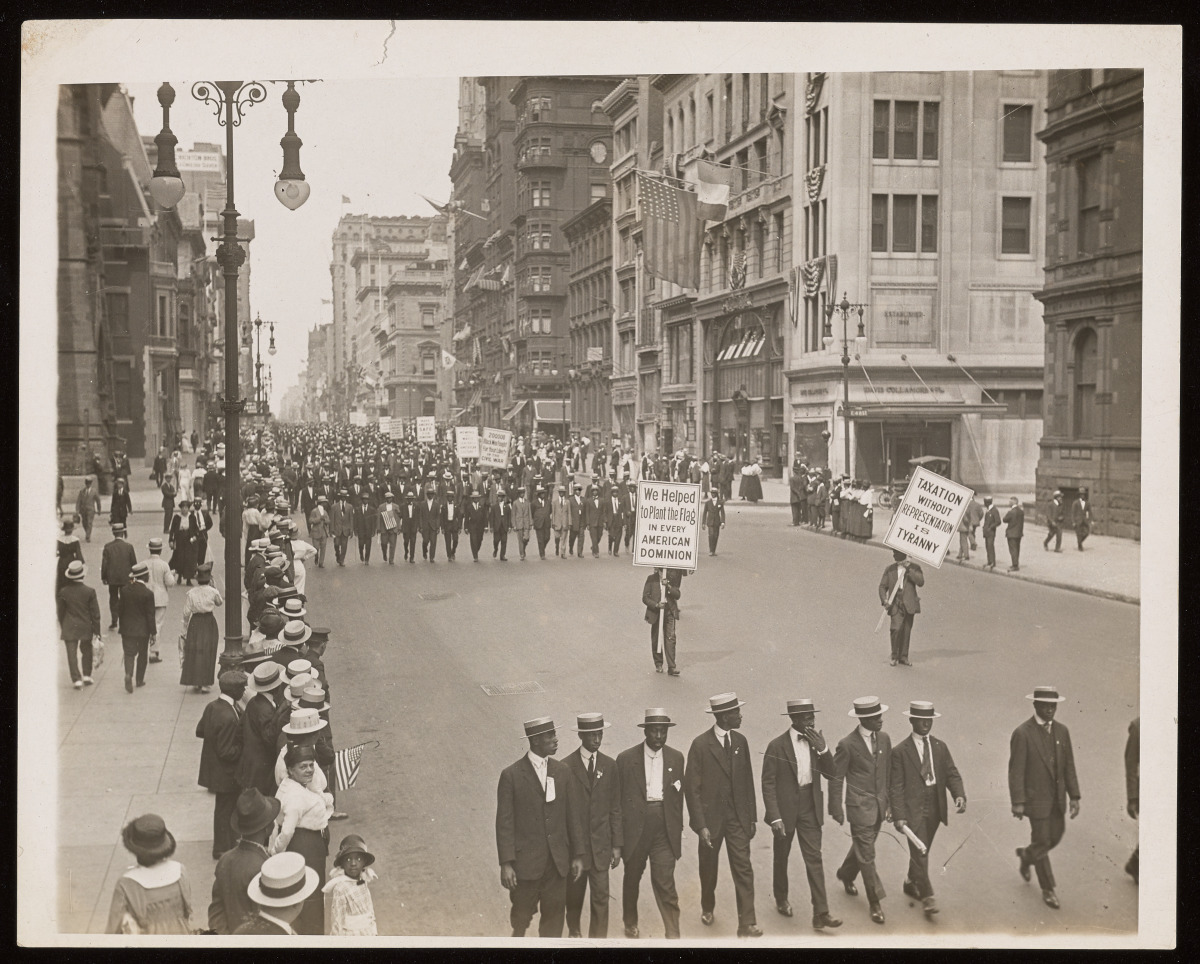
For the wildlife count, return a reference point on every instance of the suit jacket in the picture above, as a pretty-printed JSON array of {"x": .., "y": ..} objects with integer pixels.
[
  {"x": 991, "y": 521},
  {"x": 231, "y": 904},
  {"x": 319, "y": 523},
  {"x": 780, "y": 781},
  {"x": 541, "y": 515},
  {"x": 1040, "y": 776},
  {"x": 631, "y": 772},
  {"x": 652, "y": 596},
  {"x": 907, "y": 597},
  {"x": 1055, "y": 511},
  {"x": 455, "y": 524},
  {"x": 341, "y": 520},
  {"x": 500, "y": 518},
  {"x": 560, "y": 513},
  {"x": 575, "y": 513},
  {"x": 428, "y": 515},
  {"x": 366, "y": 516},
  {"x": 475, "y": 517},
  {"x": 614, "y": 519},
  {"x": 714, "y": 514},
  {"x": 256, "y": 766},
  {"x": 78, "y": 611},
  {"x": 530, "y": 831},
  {"x": 1081, "y": 514},
  {"x": 907, "y": 786},
  {"x": 137, "y": 610},
  {"x": 116, "y": 561},
  {"x": 220, "y": 728},
  {"x": 867, "y": 779},
  {"x": 259, "y": 926},
  {"x": 522, "y": 516},
  {"x": 1014, "y": 523},
  {"x": 709, "y": 783},
  {"x": 597, "y": 808}
]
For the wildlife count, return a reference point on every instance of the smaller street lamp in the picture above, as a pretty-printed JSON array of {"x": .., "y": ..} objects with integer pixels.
[{"x": 860, "y": 342}]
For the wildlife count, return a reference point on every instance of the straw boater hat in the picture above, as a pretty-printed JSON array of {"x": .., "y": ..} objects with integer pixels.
[
  {"x": 140, "y": 571},
  {"x": 147, "y": 836},
  {"x": 298, "y": 667},
  {"x": 866, "y": 706},
  {"x": 313, "y": 698},
  {"x": 118, "y": 528},
  {"x": 590, "y": 723},
  {"x": 921, "y": 710},
  {"x": 295, "y": 633},
  {"x": 253, "y": 812},
  {"x": 656, "y": 716},
  {"x": 284, "y": 881},
  {"x": 266, "y": 677},
  {"x": 800, "y": 706},
  {"x": 155, "y": 544},
  {"x": 293, "y": 608},
  {"x": 75, "y": 571},
  {"x": 543, "y": 724},
  {"x": 723, "y": 703},
  {"x": 353, "y": 844},
  {"x": 303, "y": 721},
  {"x": 1045, "y": 694},
  {"x": 296, "y": 686}
]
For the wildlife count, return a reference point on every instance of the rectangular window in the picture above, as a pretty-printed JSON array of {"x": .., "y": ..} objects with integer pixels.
[
  {"x": 879, "y": 228},
  {"x": 1088, "y": 173},
  {"x": 763, "y": 100},
  {"x": 879, "y": 138},
  {"x": 778, "y": 232},
  {"x": 163, "y": 316},
  {"x": 904, "y": 222},
  {"x": 814, "y": 246},
  {"x": 599, "y": 191},
  {"x": 1014, "y": 225},
  {"x": 426, "y": 317},
  {"x": 745, "y": 101},
  {"x": 117, "y": 303},
  {"x": 123, "y": 390},
  {"x": 760, "y": 160},
  {"x": 743, "y": 165},
  {"x": 816, "y": 140},
  {"x": 929, "y": 131},
  {"x": 896, "y": 126},
  {"x": 426, "y": 364},
  {"x": 760, "y": 249},
  {"x": 540, "y": 194},
  {"x": 728, "y": 106},
  {"x": 1018, "y": 132},
  {"x": 539, "y": 321},
  {"x": 904, "y": 139},
  {"x": 708, "y": 117},
  {"x": 929, "y": 223}
]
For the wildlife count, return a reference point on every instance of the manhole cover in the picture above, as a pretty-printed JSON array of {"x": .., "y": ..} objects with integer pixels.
[
  {"x": 512, "y": 689},
  {"x": 437, "y": 596}
]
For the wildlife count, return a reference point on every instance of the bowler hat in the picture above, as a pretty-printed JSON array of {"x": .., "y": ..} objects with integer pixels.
[
  {"x": 147, "y": 837},
  {"x": 866, "y": 706},
  {"x": 353, "y": 844},
  {"x": 284, "y": 881},
  {"x": 921, "y": 710},
  {"x": 800, "y": 706},
  {"x": 1045, "y": 694},
  {"x": 253, "y": 812},
  {"x": 723, "y": 703},
  {"x": 590, "y": 723},
  {"x": 656, "y": 716}
]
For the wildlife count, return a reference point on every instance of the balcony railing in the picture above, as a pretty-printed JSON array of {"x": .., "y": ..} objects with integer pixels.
[
  {"x": 541, "y": 159},
  {"x": 125, "y": 237}
]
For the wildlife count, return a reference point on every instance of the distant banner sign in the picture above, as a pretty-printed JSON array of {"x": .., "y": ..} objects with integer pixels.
[
  {"x": 466, "y": 441},
  {"x": 667, "y": 533},
  {"x": 324, "y": 416},
  {"x": 425, "y": 428},
  {"x": 396, "y": 428},
  {"x": 358, "y": 418},
  {"x": 385, "y": 425},
  {"x": 927, "y": 518},
  {"x": 494, "y": 444}
]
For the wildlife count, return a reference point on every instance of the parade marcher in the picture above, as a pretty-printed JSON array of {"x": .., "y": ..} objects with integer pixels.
[
  {"x": 713, "y": 519},
  {"x": 200, "y": 636},
  {"x": 595, "y": 802},
  {"x": 318, "y": 527},
  {"x": 522, "y": 520},
  {"x": 168, "y": 502},
  {"x": 991, "y": 522},
  {"x": 220, "y": 727},
  {"x": 656, "y": 602},
  {"x": 1055, "y": 513},
  {"x": 351, "y": 910},
  {"x": 183, "y": 542},
  {"x": 536, "y": 839},
  {"x": 366, "y": 522},
  {"x": 863, "y": 764},
  {"x": 923, "y": 772},
  {"x": 451, "y": 519},
  {"x": 1041, "y": 779},
  {"x": 79, "y": 622},
  {"x": 898, "y": 595},
  {"x": 794, "y": 806},
  {"x": 136, "y": 621},
  {"x": 67, "y": 550},
  {"x": 341, "y": 516},
  {"x": 719, "y": 784},
  {"x": 615, "y": 519},
  {"x": 410, "y": 522},
  {"x": 475, "y": 519},
  {"x": 499, "y": 522},
  {"x": 576, "y": 512},
  {"x": 303, "y": 823},
  {"x": 389, "y": 526},
  {"x": 252, "y": 823},
  {"x": 593, "y": 518},
  {"x": 120, "y": 505},
  {"x": 280, "y": 892},
  {"x": 651, "y": 780},
  {"x": 1081, "y": 518},
  {"x": 1133, "y": 770},
  {"x": 560, "y": 521},
  {"x": 161, "y": 580},
  {"x": 87, "y": 506},
  {"x": 540, "y": 512},
  {"x": 429, "y": 511},
  {"x": 153, "y": 896},
  {"x": 261, "y": 724},
  {"x": 116, "y": 562},
  {"x": 1014, "y": 530}
]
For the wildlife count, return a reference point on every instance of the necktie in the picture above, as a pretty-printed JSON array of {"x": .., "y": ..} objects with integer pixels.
[
  {"x": 728, "y": 752},
  {"x": 927, "y": 763},
  {"x": 873, "y": 745},
  {"x": 592, "y": 770}
]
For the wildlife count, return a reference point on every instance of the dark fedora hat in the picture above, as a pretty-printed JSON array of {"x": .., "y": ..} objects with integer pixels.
[{"x": 253, "y": 812}]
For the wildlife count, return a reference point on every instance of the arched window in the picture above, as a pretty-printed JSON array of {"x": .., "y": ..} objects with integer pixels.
[{"x": 1085, "y": 384}]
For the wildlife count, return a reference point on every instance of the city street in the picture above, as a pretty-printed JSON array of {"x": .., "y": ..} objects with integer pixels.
[{"x": 779, "y": 613}]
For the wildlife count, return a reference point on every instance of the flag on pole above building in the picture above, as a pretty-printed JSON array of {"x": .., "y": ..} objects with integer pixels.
[
  {"x": 712, "y": 189},
  {"x": 345, "y": 200},
  {"x": 448, "y": 360},
  {"x": 671, "y": 231}
]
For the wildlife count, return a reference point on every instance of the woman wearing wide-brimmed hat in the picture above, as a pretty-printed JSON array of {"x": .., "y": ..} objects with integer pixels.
[
  {"x": 198, "y": 641},
  {"x": 68, "y": 549},
  {"x": 153, "y": 896},
  {"x": 304, "y": 824}
]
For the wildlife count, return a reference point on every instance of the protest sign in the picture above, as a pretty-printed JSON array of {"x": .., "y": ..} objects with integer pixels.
[
  {"x": 925, "y": 521},
  {"x": 667, "y": 531},
  {"x": 494, "y": 444},
  {"x": 466, "y": 441},
  {"x": 425, "y": 429},
  {"x": 385, "y": 425},
  {"x": 358, "y": 419},
  {"x": 396, "y": 428}
]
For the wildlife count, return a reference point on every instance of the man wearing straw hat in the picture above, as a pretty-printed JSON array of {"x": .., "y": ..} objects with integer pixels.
[
  {"x": 794, "y": 805},
  {"x": 279, "y": 890},
  {"x": 116, "y": 560},
  {"x": 136, "y": 617},
  {"x": 594, "y": 797},
  {"x": 651, "y": 778},
  {"x": 719, "y": 784},
  {"x": 261, "y": 724},
  {"x": 863, "y": 764},
  {"x": 535, "y": 838},
  {"x": 161, "y": 579},
  {"x": 1041, "y": 778},
  {"x": 922, "y": 773}
]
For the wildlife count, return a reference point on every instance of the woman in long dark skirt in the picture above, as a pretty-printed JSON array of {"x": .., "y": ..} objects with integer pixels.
[
  {"x": 304, "y": 824},
  {"x": 200, "y": 636},
  {"x": 121, "y": 504},
  {"x": 184, "y": 528},
  {"x": 68, "y": 549}
]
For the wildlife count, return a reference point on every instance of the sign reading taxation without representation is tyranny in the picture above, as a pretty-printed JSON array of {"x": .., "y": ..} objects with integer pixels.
[
  {"x": 668, "y": 525},
  {"x": 927, "y": 517}
]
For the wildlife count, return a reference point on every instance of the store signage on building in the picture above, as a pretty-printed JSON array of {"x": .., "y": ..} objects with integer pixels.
[
  {"x": 425, "y": 429},
  {"x": 466, "y": 441},
  {"x": 927, "y": 518},
  {"x": 667, "y": 531},
  {"x": 207, "y": 161},
  {"x": 494, "y": 445}
]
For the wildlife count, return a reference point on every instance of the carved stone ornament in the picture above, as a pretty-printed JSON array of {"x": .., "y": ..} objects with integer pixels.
[{"x": 813, "y": 181}]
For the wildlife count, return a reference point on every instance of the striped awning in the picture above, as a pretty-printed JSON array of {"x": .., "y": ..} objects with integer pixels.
[{"x": 515, "y": 410}]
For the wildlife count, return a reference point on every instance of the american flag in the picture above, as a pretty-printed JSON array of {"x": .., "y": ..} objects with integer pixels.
[
  {"x": 345, "y": 765},
  {"x": 671, "y": 228}
]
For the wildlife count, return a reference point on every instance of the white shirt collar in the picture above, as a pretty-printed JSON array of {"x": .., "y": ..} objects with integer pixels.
[
  {"x": 227, "y": 698},
  {"x": 721, "y": 734},
  {"x": 539, "y": 762},
  {"x": 865, "y": 734},
  {"x": 586, "y": 756},
  {"x": 651, "y": 754}
]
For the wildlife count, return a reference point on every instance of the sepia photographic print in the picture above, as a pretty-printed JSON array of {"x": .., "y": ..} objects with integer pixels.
[{"x": 771, "y": 425}]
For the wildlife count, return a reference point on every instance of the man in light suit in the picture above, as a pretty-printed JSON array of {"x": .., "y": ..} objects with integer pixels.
[
  {"x": 220, "y": 728},
  {"x": 922, "y": 773},
  {"x": 651, "y": 780},
  {"x": 719, "y": 785},
  {"x": 594, "y": 797},
  {"x": 536, "y": 839},
  {"x": 794, "y": 806},
  {"x": 863, "y": 765},
  {"x": 1041, "y": 777},
  {"x": 902, "y": 604}
]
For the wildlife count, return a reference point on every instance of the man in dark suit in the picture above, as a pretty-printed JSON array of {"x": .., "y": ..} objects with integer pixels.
[
  {"x": 794, "y": 806},
  {"x": 410, "y": 521},
  {"x": 366, "y": 522},
  {"x": 252, "y": 822},
  {"x": 261, "y": 724},
  {"x": 593, "y": 518},
  {"x": 713, "y": 519},
  {"x": 450, "y": 517},
  {"x": 594, "y": 798},
  {"x": 429, "y": 512},
  {"x": 536, "y": 837},
  {"x": 575, "y": 520},
  {"x": 1041, "y": 778},
  {"x": 1081, "y": 518},
  {"x": 902, "y": 603},
  {"x": 991, "y": 522},
  {"x": 658, "y": 607},
  {"x": 220, "y": 728},
  {"x": 475, "y": 519},
  {"x": 1014, "y": 531},
  {"x": 1055, "y": 513},
  {"x": 863, "y": 765},
  {"x": 615, "y": 518},
  {"x": 541, "y": 520},
  {"x": 499, "y": 521},
  {"x": 1133, "y": 770},
  {"x": 719, "y": 785},
  {"x": 923, "y": 772},
  {"x": 651, "y": 780},
  {"x": 341, "y": 525},
  {"x": 116, "y": 560},
  {"x": 136, "y": 614}
]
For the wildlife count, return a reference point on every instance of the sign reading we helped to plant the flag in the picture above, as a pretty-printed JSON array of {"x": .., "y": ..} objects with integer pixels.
[
  {"x": 927, "y": 518},
  {"x": 667, "y": 532}
]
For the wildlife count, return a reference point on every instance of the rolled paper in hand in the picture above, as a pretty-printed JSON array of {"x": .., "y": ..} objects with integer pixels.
[{"x": 916, "y": 841}]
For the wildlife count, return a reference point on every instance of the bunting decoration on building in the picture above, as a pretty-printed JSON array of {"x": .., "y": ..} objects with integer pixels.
[
  {"x": 831, "y": 276},
  {"x": 671, "y": 228},
  {"x": 812, "y": 92},
  {"x": 812, "y": 272},
  {"x": 793, "y": 299},
  {"x": 813, "y": 181},
  {"x": 737, "y": 271}
]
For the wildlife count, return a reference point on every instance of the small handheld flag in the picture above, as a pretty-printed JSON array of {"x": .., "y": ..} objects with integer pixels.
[{"x": 345, "y": 765}]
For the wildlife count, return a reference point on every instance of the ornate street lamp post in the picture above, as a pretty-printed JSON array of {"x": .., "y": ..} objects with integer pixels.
[{"x": 860, "y": 341}]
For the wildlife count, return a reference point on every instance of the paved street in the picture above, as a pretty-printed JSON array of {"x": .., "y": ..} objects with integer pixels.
[{"x": 779, "y": 613}]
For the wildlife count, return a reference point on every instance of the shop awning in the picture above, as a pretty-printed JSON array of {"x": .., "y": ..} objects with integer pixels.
[
  {"x": 514, "y": 411},
  {"x": 551, "y": 411},
  {"x": 474, "y": 402},
  {"x": 923, "y": 410}
]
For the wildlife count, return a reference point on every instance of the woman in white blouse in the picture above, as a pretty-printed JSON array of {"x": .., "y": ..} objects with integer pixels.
[
  {"x": 304, "y": 828},
  {"x": 201, "y": 635}
]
